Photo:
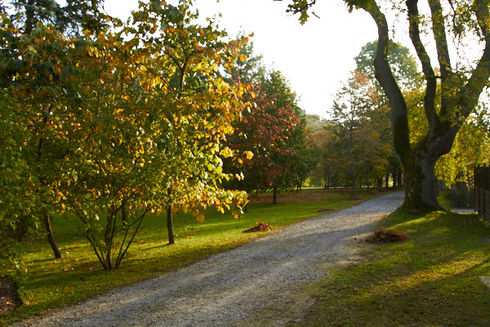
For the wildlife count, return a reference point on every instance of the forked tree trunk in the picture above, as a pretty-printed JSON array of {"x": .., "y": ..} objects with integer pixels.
[
  {"x": 48, "y": 226},
  {"x": 458, "y": 97}
]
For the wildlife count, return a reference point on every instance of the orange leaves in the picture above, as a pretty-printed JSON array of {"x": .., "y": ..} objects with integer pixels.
[{"x": 242, "y": 58}]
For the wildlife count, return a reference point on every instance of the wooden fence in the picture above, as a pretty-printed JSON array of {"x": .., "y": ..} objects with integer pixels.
[{"x": 482, "y": 190}]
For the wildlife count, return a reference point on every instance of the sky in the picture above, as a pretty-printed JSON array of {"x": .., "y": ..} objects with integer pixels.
[{"x": 315, "y": 57}]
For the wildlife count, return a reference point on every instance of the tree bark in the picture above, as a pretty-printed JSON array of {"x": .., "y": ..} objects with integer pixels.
[
  {"x": 379, "y": 183},
  {"x": 29, "y": 23},
  {"x": 395, "y": 179},
  {"x": 399, "y": 178},
  {"x": 170, "y": 225},
  {"x": 421, "y": 183},
  {"x": 50, "y": 235}
]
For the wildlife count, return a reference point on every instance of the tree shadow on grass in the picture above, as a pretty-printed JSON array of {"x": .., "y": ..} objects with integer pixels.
[{"x": 432, "y": 280}]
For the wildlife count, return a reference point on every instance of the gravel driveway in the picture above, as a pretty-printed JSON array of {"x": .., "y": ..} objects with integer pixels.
[{"x": 259, "y": 284}]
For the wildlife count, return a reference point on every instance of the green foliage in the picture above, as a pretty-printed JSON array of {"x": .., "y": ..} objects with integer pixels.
[
  {"x": 302, "y": 8},
  {"x": 470, "y": 150},
  {"x": 402, "y": 62},
  {"x": 74, "y": 16},
  {"x": 120, "y": 121},
  {"x": 17, "y": 197},
  {"x": 359, "y": 147}
]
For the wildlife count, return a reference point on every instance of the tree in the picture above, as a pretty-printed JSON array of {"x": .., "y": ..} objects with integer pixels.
[
  {"x": 358, "y": 150},
  {"x": 18, "y": 199},
  {"x": 273, "y": 131},
  {"x": 409, "y": 79},
  {"x": 446, "y": 111},
  {"x": 72, "y": 17},
  {"x": 400, "y": 59},
  {"x": 32, "y": 71},
  {"x": 117, "y": 122},
  {"x": 149, "y": 130},
  {"x": 38, "y": 108},
  {"x": 199, "y": 64}
]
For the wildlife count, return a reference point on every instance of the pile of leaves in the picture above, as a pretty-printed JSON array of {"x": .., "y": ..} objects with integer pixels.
[
  {"x": 9, "y": 298},
  {"x": 260, "y": 227},
  {"x": 387, "y": 236}
]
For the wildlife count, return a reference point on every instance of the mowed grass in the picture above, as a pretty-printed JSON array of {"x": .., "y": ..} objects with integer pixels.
[
  {"x": 77, "y": 276},
  {"x": 431, "y": 280}
]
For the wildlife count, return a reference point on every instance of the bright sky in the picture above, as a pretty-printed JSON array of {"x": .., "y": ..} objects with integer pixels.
[{"x": 315, "y": 58}]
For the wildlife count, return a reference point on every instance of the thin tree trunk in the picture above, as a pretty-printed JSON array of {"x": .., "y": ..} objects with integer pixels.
[
  {"x": 110, "y": 230},
  {"x": 170, "y": 225},
  {"x": 274, "y": 195},
  {"x": 29, "y": 23},
  {"x": 400, "y": 178},
  {"x": 379, "y": 183},
  {"x": 50, "y": 235}
]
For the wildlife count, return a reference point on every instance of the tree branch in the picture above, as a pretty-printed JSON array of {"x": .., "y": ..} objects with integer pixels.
[
  {"x": 385, "y": 77},
  {"x": 430, "y": 78},
  {"x": 438, "y": 27},
  {"x": 481, "y": 74}
]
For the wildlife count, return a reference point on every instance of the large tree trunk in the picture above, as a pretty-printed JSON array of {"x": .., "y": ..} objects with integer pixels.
[
  {"x": 50, "y": 235},
  {"x": 170, "y": 225},
  {"x": 420, "y": 183}
]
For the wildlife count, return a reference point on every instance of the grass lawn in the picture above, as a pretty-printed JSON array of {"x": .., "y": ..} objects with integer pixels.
[
  {"x": 77, "y": 276},
  {"x": 431, "y": 280}
]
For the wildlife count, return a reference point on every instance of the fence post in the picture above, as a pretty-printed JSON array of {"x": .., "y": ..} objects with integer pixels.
[{"x": 482, "y": 191}]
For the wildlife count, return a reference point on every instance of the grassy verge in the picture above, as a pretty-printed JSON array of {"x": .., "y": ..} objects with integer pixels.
[
  {"x": 52, "y": 283},
  {"x": 431, "y": 280}
]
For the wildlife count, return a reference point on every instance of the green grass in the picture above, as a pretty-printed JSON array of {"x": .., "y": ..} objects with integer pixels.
[
  {"x": 52, "y": 283},
  {"x": 431, "y": 280}
]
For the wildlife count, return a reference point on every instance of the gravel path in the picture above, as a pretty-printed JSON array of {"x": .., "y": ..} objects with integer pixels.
[{"x": 258, "y": 284}]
